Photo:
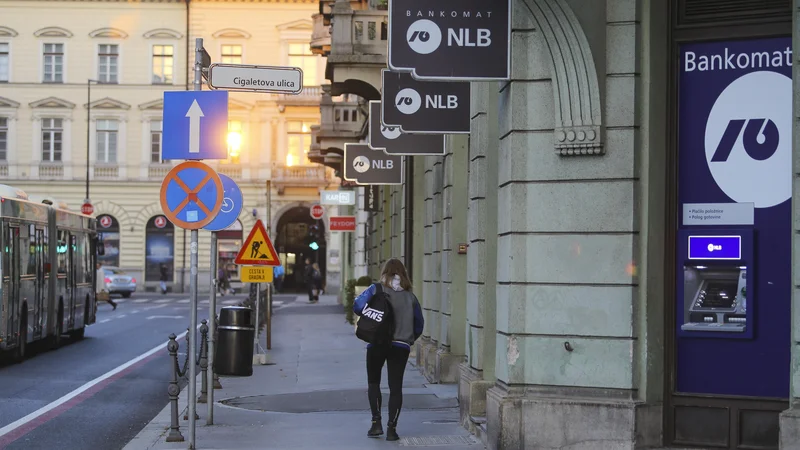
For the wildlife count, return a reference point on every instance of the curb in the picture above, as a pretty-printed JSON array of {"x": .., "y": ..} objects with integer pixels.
[{"x": 155, "y": 432}]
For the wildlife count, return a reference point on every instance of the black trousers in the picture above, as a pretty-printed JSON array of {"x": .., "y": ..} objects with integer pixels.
[{"x": 395, "y": 359}]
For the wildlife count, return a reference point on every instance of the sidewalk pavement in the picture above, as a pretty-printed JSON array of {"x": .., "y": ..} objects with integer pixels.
[{"x": 314, "y": 396}]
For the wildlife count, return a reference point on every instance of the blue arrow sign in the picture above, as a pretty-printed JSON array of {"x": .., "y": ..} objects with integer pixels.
[
  {"x": 195, "y": 125},
  {"x": 232, "y": 203}
]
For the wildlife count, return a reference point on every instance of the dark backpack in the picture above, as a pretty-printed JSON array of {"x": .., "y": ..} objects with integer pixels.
[{"x": 376, "y": 325}]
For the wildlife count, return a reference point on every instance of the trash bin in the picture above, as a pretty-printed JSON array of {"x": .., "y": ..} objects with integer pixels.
[{"x": 234, "y": 347}]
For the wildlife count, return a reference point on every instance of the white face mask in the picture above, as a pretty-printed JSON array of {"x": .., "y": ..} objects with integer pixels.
[{"x": 396, "y": 283}]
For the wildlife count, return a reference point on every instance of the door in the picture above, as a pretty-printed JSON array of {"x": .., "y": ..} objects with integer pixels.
[
  {"x": 72, "y": 281},
  {"x": 11, "y": 280},
  {"x": 40, "y": 288}
]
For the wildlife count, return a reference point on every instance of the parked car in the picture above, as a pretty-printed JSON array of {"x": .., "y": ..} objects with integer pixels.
[{"x": 119, "y": 282}]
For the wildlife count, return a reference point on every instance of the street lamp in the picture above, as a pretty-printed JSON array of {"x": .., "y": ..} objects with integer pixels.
[{"x": 88, "y": 129}]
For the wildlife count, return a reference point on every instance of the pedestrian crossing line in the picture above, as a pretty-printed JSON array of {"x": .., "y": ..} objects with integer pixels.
[
  {"x": 104, "y": 321},
  {"x": 277, "y": 303},
  {"x": 163, "y": 300},
  {"x": 230, "y": 302},
  {"x": 185, "y": 300},
  {"x": 141, "y": 300},
  {"x": 205, "y": 302}
]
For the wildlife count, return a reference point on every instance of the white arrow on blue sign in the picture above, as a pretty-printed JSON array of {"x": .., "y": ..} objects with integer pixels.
[
  {"x": 232, "y": 202},
  {"x": 195, "y": 125}
]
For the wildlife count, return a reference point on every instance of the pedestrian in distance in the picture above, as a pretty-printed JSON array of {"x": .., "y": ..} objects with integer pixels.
[
  {"x": 390, "y": 322},
  {"x": 100, "y": 289},
  {"x": 164, "y": 276},
  {"x": 277, "y": 273},
  {"x": 316, "y": 279},
  {"x": 308, "y": 279}
]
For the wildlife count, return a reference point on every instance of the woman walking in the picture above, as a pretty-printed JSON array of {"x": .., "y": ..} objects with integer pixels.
[{"x": 408, "y": 326}]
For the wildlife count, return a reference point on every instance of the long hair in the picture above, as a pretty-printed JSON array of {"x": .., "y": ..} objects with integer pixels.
[{"x": 394, "y": 267}]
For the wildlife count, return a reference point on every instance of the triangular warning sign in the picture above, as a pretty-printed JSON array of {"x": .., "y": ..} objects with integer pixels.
[{"x": 257, "y": 249}]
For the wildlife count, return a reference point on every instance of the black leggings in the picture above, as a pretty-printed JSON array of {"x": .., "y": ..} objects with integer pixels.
[{"x": 396, "y": 359}]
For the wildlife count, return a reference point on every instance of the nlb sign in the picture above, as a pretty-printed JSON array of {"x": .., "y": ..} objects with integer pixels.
[
  {"x": 342, "y": 223},
  {"x": 366, "y": 166},
  {"x": 394, "y": 142},
  {"x": 337, "y": 197},
  {"x": 441, "y": 39},
  {"x": 425, "y": 107}
]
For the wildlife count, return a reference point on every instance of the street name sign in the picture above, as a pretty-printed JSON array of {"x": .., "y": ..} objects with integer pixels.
[
  {"x": 257, "y": 249},
  {"x": 467, "y": 40},
  {"x": 432, "y": 107},
  {"x": 394, "y": 142},
  {"x": 232, "y": 202},
  {"x": 195, "y": 125},
  {"x": 337, "y": 197},
  {"x": 342, "y": 223},
  {"x": 256, "y": 274},
  {"x": 367, "y": 166},
  {"x": 237, "y": 77},
  {"x": 191, "y": 195}
]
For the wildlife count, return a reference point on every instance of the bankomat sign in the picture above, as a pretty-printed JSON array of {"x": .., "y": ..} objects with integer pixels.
[
  {"x": 442, "y": 39},
  {"x": 734, "y": 148}
]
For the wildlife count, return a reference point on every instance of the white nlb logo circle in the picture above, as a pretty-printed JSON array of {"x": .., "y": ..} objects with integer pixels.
[
  {"x": 424, "y": 36},
  {"x": 361, "y": 164},
  {"x": 408, "y": 101},
  {"x": 390, "y": 132},
  {"x": 748, "y": 139}
]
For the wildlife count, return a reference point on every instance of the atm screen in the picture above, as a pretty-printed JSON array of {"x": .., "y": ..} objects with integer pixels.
[{"x": 719, "y": 294}]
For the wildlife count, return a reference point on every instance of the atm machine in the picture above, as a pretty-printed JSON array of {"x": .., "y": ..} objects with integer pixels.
[{"x": 714, "y": 283}]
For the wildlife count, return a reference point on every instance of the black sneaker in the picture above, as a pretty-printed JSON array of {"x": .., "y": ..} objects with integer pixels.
[
  {"x": 376, "y": 429},
  {"x": 391, "y": 432}
]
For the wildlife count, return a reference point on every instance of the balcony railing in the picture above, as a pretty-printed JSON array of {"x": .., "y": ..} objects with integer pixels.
[
  {"x": 158, "y": 171},
  {"x": 3, "y": 170},
  {"x": 51, "y": 170},
  {"x": 310, "y": 96},
  {"x": 106, "y": 172},
  {"x": 341, "y": 117},
  {"x": 233, "y": 171},
  {"x": 300, "y": 175}
]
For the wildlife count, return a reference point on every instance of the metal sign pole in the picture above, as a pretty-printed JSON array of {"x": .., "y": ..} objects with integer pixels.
[
  {"x": 198, "y": 86},
  {"x": 269, "y": 285},
  {"x": 256, "y": 343},
  {"x": 212, "y": 320}
]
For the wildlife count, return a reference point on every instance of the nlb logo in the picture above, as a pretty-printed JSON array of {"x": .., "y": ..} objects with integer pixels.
[
  {"x": 424, "y": 36},
  {"x": 747, "y": 139},
  {"x": 408, "y": 101},
  {"x": 373, "y": 314},
  {"x": 712, "y": 247},
  {"x": 361, "y": 164},
  {"x": 390, "y": 132}
]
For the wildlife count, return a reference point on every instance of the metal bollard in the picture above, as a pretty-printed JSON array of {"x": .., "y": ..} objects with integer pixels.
[
  {"x": 193, "y": 359},
  {"x": 203, "y": 398},
  {"x": 174, "y": 429}
]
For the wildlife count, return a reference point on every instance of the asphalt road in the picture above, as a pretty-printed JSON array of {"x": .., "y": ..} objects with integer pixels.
[{"x": 108, "y": 413}]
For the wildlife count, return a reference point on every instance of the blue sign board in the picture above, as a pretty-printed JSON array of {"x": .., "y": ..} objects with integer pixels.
[
  {"x": 232, "y": 202},
  {"x": 715, "y": 247},
  {"x": 735, "y": 146},
  {"x": 195, "y": 125}
]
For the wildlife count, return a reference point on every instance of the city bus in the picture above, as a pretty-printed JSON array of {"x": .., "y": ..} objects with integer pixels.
[{"x": 47, "y": 270}]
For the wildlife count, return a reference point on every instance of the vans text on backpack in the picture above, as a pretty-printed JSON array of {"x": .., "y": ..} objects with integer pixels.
[{"x": 376, "y": 325}]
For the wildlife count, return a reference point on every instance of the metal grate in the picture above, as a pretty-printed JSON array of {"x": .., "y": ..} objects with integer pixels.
[
  {"x": 729, "y": 10},
  {"x": 433, "y": 441}
]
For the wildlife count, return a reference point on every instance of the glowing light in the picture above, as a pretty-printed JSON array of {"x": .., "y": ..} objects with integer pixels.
[
  {"x": 290, "y": 160},
  {"x": 305, "y": 128},
  {"x": 234, "y": 143},
  {"x": 631, "y": 269}
]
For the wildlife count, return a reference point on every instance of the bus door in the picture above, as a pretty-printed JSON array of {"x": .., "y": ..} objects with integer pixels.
[
  {"x": 11, "y": 279},
  {"x": 72, "y": 281},
  {"x": 41, "y": 286}
]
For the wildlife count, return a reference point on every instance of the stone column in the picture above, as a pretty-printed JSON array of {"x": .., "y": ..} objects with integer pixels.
[
  {"x": 790, "y": 419},
  {"x": 426, "y": 350},
  {"x": 477, "y": 373},
  {"x": 451, "y": 351}
]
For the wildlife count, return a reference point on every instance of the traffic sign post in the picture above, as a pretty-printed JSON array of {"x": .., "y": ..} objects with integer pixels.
[
  {"x": 366, "y": 166},
  {"x": 239, "y": 77},
  {"x": 342, "y": 223},
  {"x": 191, "y": 195},
  {"x": 316, "y": 211},
  {"x": 256, "y": 274},
  {"x": 87, "y": 209},
  {"x": 232, "y": 201},
  {"x": 425, "y": 107},
  {"x": 442, "y": 39},
  {"x": 394, "y": 142},
  {"x": 337, "y": 197},
  {"x": 257, "y": 249},
  {"x": 195, "y": 125}
]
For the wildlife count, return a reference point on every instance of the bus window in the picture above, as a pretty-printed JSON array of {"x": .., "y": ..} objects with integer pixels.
[
  {"x": 6, "y": 243},
  {"x": 86, "y": 251},
  {"x": 62, "y": 252},
  {"x": 27, "y": 249},
  {"x": 46, "y": 252}
]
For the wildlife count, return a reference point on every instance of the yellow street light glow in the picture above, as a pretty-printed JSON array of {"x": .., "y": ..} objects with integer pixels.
[{"x": 234, "y": 140}]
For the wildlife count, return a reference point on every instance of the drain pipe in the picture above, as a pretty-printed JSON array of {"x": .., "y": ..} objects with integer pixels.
[{"x": 409, "y": 238}]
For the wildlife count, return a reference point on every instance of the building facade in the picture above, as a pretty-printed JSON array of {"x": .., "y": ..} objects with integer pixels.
[
  {"x": 72, "y": 88},
  {"x": 605, "y": 261}
]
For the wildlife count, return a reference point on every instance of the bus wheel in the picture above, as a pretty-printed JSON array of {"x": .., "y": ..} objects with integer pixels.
[
  {"x": 22, "y": 345},
  {"x": 59, "y": 327}
]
